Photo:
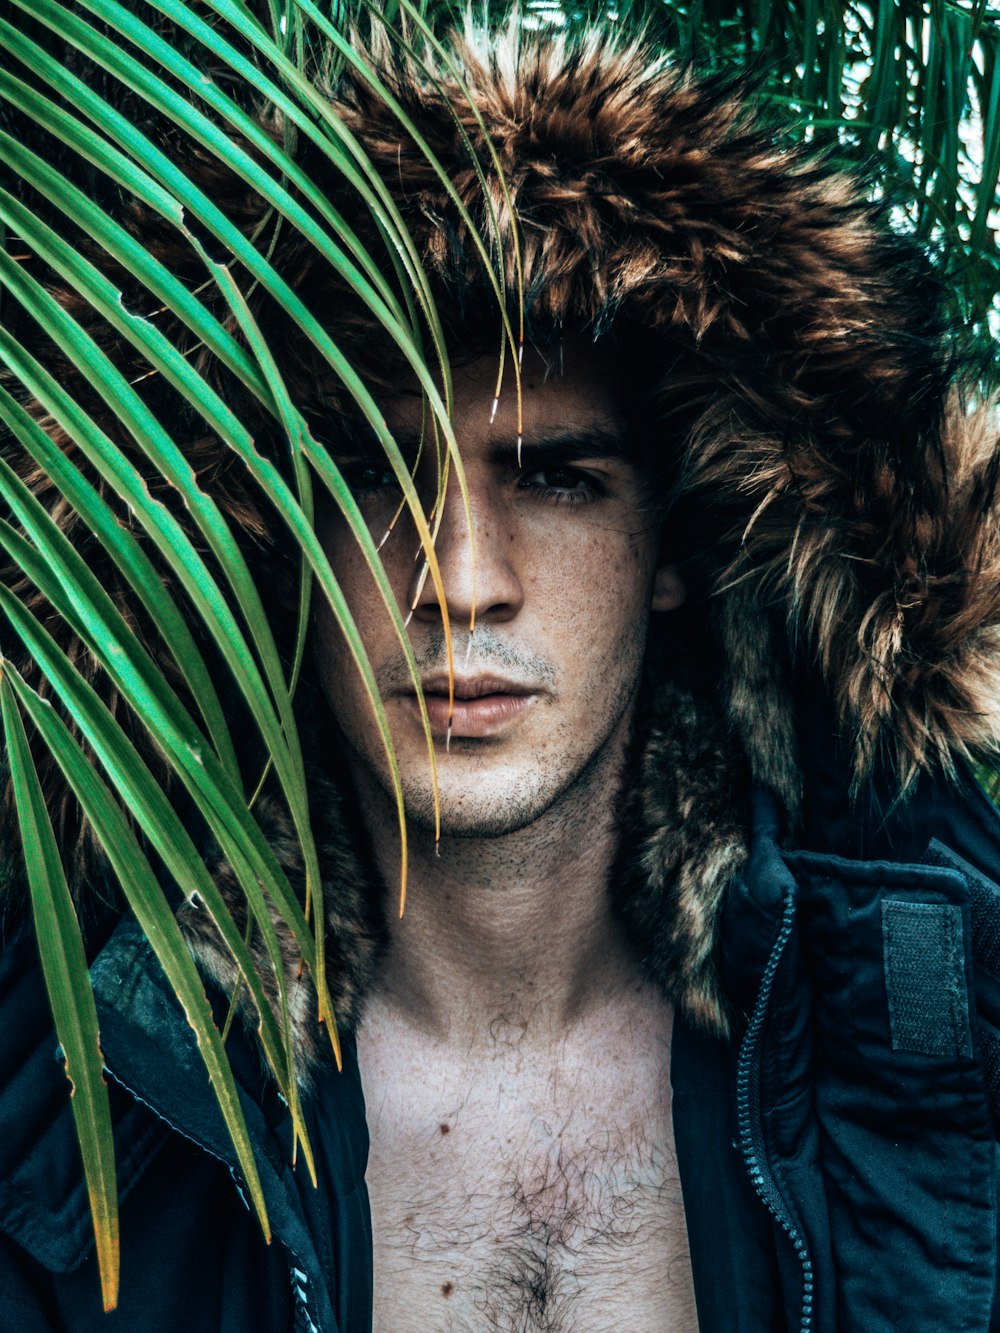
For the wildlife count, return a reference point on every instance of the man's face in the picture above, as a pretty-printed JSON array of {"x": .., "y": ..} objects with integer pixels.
[{"x": 563, "y": 574}]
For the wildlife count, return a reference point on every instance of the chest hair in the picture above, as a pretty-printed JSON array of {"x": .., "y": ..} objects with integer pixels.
[{"x": 515, "y": 1198}]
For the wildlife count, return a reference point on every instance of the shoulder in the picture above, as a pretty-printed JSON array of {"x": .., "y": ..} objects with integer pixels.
[
  {"x": 865, "y": 965},
  {"x": 189, "y": 1250}
]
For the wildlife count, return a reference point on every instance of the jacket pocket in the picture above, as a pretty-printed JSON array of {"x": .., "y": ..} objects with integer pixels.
[{"x": 905, "y": 1136}]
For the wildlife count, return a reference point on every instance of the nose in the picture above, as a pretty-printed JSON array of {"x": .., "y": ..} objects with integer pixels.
[{"x": 479, "y": 568}]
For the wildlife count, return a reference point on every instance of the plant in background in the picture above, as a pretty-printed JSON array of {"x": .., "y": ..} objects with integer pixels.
[
  {"x": 907, "y": 91},
  {"x": 155, "y": 449}
]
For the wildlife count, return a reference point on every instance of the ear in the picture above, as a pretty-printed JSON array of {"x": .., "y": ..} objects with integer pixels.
[{"x": 668, "y": 589}]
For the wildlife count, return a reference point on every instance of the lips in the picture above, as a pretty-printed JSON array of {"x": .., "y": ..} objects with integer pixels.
[{"x": 483, "y": 706}]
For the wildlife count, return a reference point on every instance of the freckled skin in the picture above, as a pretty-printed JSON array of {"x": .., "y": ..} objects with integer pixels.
[{"x": 563, "y": 581}]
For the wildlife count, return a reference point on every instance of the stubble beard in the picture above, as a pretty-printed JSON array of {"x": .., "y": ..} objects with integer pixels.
[
  {"x": 542, "y": 792},
  {"x": 555, "y": 792},
  {"x": 557, "y": 799}
]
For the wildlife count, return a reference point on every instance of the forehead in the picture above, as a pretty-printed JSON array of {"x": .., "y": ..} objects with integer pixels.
[{"x": 571, "y": 389}]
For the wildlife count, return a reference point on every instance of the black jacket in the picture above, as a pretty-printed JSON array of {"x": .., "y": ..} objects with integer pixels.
[{"x": 837, "y": 1156}]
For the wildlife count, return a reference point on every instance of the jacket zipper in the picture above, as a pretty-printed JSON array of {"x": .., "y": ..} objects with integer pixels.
[{"x": 750, "y": 1119}]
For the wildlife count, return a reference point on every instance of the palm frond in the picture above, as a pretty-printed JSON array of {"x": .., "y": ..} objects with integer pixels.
[{"x": 127, "y": 619}]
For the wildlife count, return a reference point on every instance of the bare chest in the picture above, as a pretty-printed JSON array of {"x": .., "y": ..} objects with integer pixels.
[{"x": 509, "y": 1198}]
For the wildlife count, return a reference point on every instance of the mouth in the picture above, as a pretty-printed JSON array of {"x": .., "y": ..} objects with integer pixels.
[{"x": 483, "y": 705}]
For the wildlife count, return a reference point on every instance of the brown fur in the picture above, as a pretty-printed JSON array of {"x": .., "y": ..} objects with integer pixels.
[
  {"x": 838, "y": 499},
  {"x": 844, "y": 496},
  {"x": 355, "y": 924},
  {"x": 684, "y": 838}
]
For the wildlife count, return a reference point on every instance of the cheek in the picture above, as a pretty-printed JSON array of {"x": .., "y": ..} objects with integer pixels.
[
  {"x": 359, "y": 590},
  {"x": 598, "y": 566},
  {"x": 595, "y": 595},
  {"x": 335, "y": 665},
  {"x": 336, "y": 674}
]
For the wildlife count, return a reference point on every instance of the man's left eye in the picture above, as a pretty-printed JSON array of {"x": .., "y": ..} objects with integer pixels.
[{"x": 566, "y": 483}]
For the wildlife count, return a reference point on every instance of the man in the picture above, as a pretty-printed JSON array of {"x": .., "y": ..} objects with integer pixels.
[
  {"x": 696, "y": 1001},
  {"x": 512, "y": 1051}
]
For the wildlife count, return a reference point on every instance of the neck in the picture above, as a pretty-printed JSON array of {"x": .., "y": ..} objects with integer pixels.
[{"x": 507, "y": 930}]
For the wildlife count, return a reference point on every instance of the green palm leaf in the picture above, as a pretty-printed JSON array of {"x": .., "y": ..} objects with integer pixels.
[
  {"x": 64, "y": 967},
  {"x": 135, "y": 726}
]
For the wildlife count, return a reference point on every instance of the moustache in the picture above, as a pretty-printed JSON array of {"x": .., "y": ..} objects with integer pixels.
[{"x": 484, "y": 652}]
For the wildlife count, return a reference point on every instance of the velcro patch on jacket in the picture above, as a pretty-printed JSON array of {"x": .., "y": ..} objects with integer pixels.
[{"x": 924, "y": 954}]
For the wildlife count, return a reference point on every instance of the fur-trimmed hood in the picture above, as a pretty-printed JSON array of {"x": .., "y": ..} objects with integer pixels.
[
  {"x": 838, "y": 496},
  {"x": 841, "y": 498}
]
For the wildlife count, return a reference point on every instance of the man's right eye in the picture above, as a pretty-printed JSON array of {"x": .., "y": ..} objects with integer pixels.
[{"x": 368, "y": 478}]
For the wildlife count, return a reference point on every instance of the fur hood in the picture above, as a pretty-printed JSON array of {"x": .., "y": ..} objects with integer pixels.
[
  {"x": 840, "y": 497},
  {"x": 837, "y": 493}
]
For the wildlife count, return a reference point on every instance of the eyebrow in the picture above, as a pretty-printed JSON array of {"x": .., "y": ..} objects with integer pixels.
[
  {"x": 554, "y": 448},
  {"x": 562, "y": 446}
]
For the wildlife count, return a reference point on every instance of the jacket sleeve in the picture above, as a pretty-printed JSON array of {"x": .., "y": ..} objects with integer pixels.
[
  {"x": 192, "y": 1261},
  {"x": 984, "y": 909}
]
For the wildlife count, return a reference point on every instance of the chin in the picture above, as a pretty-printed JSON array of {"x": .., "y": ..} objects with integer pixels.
[
  {"x": 474, "y": 807},
  {"x": 475, "y": 818},
  {"x": 479, "y": 809}
]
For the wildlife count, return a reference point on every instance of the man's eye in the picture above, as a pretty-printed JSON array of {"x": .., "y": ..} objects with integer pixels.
[
  {"x": 368, "y": 478},
  {"x": 562, "y": 483}
]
